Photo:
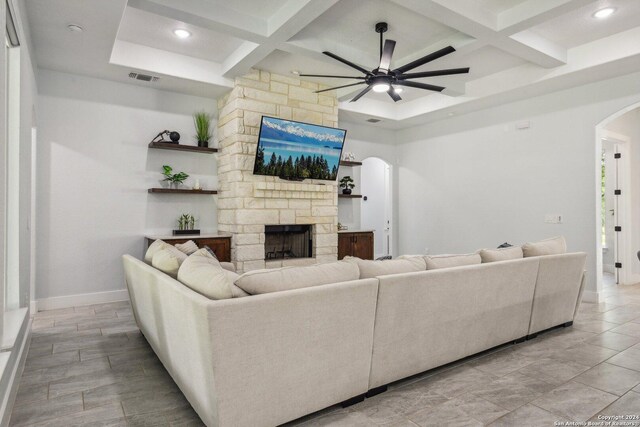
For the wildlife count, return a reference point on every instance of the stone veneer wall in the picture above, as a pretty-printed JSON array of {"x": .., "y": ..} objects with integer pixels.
[{"x": 246, "y": 202}]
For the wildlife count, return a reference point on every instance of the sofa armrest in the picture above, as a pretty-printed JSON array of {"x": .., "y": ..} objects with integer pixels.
[{"x": 282, "y": 355}]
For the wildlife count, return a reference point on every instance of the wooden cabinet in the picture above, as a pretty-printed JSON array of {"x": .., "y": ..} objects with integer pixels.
[
  {"x": 220, "y": 245},
  {"x": 356, "y": 243}
]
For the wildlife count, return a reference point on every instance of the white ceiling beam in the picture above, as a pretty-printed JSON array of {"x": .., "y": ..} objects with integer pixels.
[
  {"x": 534, "y": 12},
  {"x": 468, "y": 21},
  {"x": 203, "y": 14},
  {"x": 292, "y": 18}
]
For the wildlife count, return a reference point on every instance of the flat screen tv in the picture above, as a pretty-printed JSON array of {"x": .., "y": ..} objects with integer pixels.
[{"x": 296, "y": 151}]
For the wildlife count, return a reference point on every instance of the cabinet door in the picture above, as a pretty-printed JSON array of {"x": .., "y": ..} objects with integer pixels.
[
  {"x": 345, "y": 245},
  {"x": 221, "y": 247},
  {"x": 363, "y": 245}
]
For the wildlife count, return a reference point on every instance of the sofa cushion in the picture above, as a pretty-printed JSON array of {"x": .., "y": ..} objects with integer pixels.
[
  {"x": 370, "y": 269},
  {"x": 229, "y": 266},
  {"x": 204, "y": 274},
  {"x": 187, "y": 247},
  {"x": 503, "y": 254},
  {"x": 168, "y": 260},
  {"x": 287, "y": 278},
  {"x": 552, "y": 246},
  {"x": 447, "y": 261},
  {"x": 153, "y": 248}
]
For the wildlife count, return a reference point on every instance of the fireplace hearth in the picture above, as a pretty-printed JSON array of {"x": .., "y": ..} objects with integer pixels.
[{"x": 287, "y": 242}]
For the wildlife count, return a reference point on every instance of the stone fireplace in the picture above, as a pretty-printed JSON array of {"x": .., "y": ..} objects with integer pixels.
[
  {"x": 284, "y": 242},
  {"x": 247, "y": 203}
]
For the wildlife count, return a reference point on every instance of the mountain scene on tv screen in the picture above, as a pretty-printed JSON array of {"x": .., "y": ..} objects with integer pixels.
[{"x": 298, "y": 150}]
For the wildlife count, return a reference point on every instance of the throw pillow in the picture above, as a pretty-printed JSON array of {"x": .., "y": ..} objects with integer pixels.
[
  {"x": 504, "y": 254},
  {"x": 153, "y": 248},
  {"x": 287, "y": 278},
  {"x": 168, "y": 260},
  {"x": 448, "y": 261},
  {"x": 406, "y": 264},
  {"x": 228, "y": 266},
  {"x": 552, "y": 246},
  {"x": 203, "y": 273},
  {"x": 188, "y": 247},
  {"x": 213, "y": 254}
]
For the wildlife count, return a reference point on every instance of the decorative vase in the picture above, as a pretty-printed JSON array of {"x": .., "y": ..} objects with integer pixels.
[
  {"x": 175, "y": 185},
  {"x": 346, "y": 191},
  {"x": 174, "y": 136},
  {"x": 203, "y": 143}
]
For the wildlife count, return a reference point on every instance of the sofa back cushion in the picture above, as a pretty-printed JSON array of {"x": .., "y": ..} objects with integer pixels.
[
  {"x": 502, "y": 254},
  {"x": 287, "y": 278},
  {"x": 447, "y": 261},
  {"x": 153, "y": 248},
  {"x": 168, "y": 260},
  {"x": 370, "y": 269},
  {"x": 204, "y": 274},
  {"x": 187, "y": 247},
  {"x": 552, "y": 246}
]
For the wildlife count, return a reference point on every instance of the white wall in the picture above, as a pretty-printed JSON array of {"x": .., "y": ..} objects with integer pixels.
[
  {"x": 94, "y": 169},
  {"x": 367, "y": 141},
  {"x": 475, "y": 181}
]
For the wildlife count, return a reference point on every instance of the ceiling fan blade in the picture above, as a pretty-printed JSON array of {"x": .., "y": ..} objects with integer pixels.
[
  {"x": 420, "y": 85},
  {"x": 421, "y": 61},
  {"x": 333, "y": 77},
  {"x": 392, "y": 93},
  {"x": 433, "y": 73},
  {"x": 339, "y": 87},
  {"x": 361, "y": 94},
  {"x": 344, "y": 61},
  {"x": 387, "y": 53}
]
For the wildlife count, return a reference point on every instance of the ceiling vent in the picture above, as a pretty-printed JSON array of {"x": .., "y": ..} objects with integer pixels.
[
  {"x": 143, "y": 77},
  {"x": 374, "y": 120}
]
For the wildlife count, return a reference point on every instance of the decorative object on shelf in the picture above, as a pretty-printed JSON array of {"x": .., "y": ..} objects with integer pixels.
[
  {"x": 202, "y": 122},
  {"x": 174, "y": 137},
  {"x": 196, "y": 186},
  {"x": 346, "y": 183},
  {"x": 175, "y": 179},
  {"x": 186, "y": 225},
  {"x": 349, "y": 156},
  {"x": 342, "y": 227}
]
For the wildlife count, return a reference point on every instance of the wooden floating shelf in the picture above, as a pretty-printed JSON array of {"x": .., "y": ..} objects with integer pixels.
[
  {"x": 350, "y": 196},
  {"x": 180, "y": 191},
  {"x": 349, "y": 163},
  {"x": 180, "y": 147}
]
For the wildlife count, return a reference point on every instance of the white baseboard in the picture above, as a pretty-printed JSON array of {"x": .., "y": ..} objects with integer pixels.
[
  {"x": 591, "y": 296},
  {"x": 18, "y": 359},
  {"x": 78, "y": 300}
]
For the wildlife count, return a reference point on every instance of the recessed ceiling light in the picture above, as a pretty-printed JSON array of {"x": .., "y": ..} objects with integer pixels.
[
  {"x": 74, "y": 28},
  {"x": 295, "y": 72},
  {"x": 604, "y": 13},
  {"x": 397, "y": 89},
  {"x": 181, "y": 33},
  {"x": 380, "y": 87}
]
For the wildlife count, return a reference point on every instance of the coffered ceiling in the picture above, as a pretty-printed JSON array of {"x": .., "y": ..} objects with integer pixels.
[{"x": 515, "y": 48}]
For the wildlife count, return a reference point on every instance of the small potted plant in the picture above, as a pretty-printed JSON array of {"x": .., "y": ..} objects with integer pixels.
[
  {"x": 186, "y": 225},
  {"x": 174, "y": 179},
  {"x": 202, "y": 122},
  {"x": 346, "y": 183}
]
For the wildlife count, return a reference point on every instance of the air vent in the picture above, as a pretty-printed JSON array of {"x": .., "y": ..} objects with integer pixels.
[
  {"x": 143, "y": 77},
  {"x": 373, "y": 120}
]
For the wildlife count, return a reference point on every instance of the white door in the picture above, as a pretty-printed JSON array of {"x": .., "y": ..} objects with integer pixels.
[{"x": 375, "y": 182}]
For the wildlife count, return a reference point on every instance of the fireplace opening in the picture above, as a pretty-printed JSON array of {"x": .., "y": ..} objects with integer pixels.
[{"x": 287, "y": 241}]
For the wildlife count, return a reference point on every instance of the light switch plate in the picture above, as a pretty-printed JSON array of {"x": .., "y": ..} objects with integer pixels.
[{"x": 553, "y": 219}]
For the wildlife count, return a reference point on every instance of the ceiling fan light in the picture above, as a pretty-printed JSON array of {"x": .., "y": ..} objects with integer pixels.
[
  {"x": 397, "y": 89},
  {"x": 381, "y": 87},
  {"x": 181, "y": 33}
]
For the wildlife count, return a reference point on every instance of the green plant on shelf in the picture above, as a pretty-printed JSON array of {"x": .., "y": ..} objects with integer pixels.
[
  {"x": 186, "y": 222},
  {"x": 202, "y": 122},
  {"x": 174, "y": 178}
]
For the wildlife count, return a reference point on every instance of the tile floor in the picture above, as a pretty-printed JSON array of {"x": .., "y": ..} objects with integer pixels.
[{"x": 90, "y": 366}]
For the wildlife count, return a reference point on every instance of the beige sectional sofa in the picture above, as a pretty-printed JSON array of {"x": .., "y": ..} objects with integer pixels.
[{"x": 263, "y": 360}]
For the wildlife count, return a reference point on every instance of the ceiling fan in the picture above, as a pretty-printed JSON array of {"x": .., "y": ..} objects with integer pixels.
[{"x": 383, "y": 79}]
